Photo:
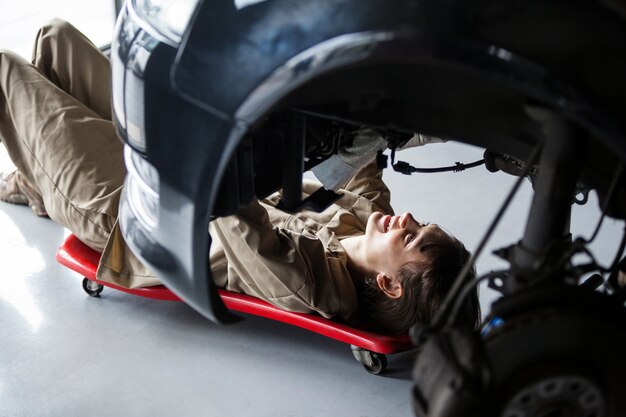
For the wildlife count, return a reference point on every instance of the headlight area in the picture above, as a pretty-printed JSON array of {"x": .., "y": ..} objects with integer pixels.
[
  {"x": 130, "y": 51},
  {"x": 168, "y": 17},
  {"x": 141, "y": 189}
]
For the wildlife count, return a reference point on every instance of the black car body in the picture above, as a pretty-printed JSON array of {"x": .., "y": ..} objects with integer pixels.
[
  {"x": 204, "y": 111},
  {"x": 234, "y": 99},
  {"x": 231, "y": 106}
]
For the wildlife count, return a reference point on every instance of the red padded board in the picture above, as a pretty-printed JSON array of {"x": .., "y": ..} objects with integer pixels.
[{"x": 80, "y": 258}]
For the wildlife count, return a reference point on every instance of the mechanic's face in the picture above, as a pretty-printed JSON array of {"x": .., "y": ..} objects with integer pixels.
[{"x": 392, "y": 241}]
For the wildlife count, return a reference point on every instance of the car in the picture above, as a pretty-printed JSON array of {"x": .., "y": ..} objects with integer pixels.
[{"x": 222, "y": 101}]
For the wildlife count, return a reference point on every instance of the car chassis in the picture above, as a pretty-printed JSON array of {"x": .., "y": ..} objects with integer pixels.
[{"x": 297, "y": 80}]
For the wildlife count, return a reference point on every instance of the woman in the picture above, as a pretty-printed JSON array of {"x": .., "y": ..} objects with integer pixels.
[{"x": 355, "y": 261}]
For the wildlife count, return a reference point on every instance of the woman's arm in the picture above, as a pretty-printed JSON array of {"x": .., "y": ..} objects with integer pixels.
[
  {"x": 368, "y": 183},
  {"x": 287, "y": 266}
]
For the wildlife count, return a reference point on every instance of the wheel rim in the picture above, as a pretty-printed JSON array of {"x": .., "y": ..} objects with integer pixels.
[
  {"x": 561, "y": 365},
  {"x": 557, "y": 396}
]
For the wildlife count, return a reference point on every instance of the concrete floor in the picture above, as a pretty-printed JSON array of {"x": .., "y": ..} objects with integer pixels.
[{"x": 63, "y": 353}]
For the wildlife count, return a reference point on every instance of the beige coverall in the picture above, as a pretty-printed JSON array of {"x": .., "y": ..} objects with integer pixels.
[{"x": 55, "y": 121}]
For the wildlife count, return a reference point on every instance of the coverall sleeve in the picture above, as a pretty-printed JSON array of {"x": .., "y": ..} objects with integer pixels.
[
  {"x": 368, "y": 183},
  {"x": 286, "y": 266}
]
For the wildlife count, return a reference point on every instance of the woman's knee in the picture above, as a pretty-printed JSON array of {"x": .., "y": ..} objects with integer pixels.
[
  {"x": 51, "y": 38},
  {"x": 55, "y": 28},
  {"x": 9, "y": 57}
]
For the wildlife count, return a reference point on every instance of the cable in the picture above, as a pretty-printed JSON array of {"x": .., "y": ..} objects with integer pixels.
[
  {"x": 438, "y": 321},
  {"x": 458, "y": 303},
  {"x": 620, "y": 251},
  {"x": 406, "y": 169},
  {"x": 607, "y": 200}
]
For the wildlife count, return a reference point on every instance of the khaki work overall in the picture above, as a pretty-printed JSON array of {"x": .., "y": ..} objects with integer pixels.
[{"x": 55, "y": 121}]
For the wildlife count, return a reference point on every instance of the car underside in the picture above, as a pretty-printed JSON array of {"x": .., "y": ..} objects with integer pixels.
[{"x": 544, "y": 99}]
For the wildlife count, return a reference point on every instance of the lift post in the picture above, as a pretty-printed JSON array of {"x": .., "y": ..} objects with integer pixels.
[{"x": 555, "y": 186}]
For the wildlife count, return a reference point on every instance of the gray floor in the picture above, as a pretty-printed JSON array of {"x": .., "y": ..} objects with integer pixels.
[{"x": 63, "y": 353}]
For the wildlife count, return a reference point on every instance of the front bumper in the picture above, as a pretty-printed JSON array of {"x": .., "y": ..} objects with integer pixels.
[{"x": 159, "y": 209}]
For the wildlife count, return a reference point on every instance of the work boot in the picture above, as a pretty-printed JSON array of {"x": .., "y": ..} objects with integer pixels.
[{"x": 14, "y": 189}]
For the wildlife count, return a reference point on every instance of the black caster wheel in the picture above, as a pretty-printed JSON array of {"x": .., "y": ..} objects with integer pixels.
[
  {"x": 92, "y": 288},
  {"x": 378, "y": 364},
  {"x": 374, "y": 363}
]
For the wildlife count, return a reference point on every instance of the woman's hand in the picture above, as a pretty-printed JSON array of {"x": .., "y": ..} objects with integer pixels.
[{"x": 336, "y": 171}]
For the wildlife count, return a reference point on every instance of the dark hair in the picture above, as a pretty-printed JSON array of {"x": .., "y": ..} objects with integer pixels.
[{"x": 423, "y": 290}]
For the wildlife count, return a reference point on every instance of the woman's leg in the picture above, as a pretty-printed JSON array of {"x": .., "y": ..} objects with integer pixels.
[
  {"x": 64, "y": 149},
  {"x": 68, "y": 59}
]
